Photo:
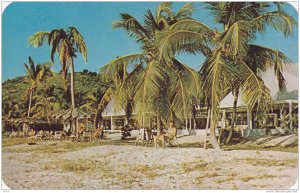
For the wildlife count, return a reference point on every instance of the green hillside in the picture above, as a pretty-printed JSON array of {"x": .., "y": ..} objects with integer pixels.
[{"x": 15, "y": 103}]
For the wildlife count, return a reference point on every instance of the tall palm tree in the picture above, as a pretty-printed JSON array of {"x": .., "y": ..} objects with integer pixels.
[
  {"x": 36, "y": 74},
  {"x": 232, "y": 58},
  {"x": 67, "y": 43},
  {"x": 161, "y": 87}
]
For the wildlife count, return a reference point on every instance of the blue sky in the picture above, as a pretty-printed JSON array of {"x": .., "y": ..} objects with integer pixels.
[{"x": 94, "y": 21}]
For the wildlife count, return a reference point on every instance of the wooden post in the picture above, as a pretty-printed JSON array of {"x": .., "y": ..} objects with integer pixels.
[
  {"x": 77, "y": 124},
  {"x": 111, "y": 123},
  {"x": 290, "y": 114},
  {"x": 190, "y": 123},
  {"x": 222, "y": 125},
  {"x": 249, "y": 118},
  {"x": 186, "y": 128},
  {"x": 87, "y": 124},
  {"x": 143, "y": 120}
]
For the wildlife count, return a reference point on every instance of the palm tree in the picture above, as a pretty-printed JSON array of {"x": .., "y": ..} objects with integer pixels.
[
  {"x": 96, "y": 102},
  {"x": 163, "y": 87},
  {"x": 67, "y": 43},
  {"x": 230, "y": 53},
  {"x": 36, "y": 74}
]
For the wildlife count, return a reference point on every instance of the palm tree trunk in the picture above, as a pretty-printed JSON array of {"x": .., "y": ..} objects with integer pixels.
[
  {"x": 158, "y": 123},
  {"x": 213, "y": 138},
  {"x": 236, "y": 95},
  {"x": 97, "y": 118},
  {"x": 30, "y": 100},
  {"x": 72, "y": 94},
  {"x": 72, "y": 85}
]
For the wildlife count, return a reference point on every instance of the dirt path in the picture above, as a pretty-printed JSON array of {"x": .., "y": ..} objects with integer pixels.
[{"x": 136, "y": 167}]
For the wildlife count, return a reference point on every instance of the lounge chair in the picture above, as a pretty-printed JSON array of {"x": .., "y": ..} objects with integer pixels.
[
  {"x": 39, "y": 135},
  {"x": 168, "y": 141},
  {"x": 86, "y": 135},
  {"x": 58, "y": 135}
]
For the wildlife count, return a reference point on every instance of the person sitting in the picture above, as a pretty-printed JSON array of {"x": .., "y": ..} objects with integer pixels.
[
  {"x": 99, "y": 133},
  {"x": 169, "y": 135},
  {"x": 125, "y": 131}
]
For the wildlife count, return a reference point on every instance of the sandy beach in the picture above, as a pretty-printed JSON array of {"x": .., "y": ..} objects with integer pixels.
[{"x": 54, "y": 165}]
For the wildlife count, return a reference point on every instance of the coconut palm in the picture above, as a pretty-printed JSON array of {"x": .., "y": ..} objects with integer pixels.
[
  {"x": 161, "y": 87},
  {"x": 36, "y": 74},
  {"x": 67, "y": 43},
  {"x": 96, "y": 102},
  {"x": 232, "y": 58}
]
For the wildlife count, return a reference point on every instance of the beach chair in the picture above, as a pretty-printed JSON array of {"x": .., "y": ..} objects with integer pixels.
[
  {"x": 39, "y": 135},
  {"x": 157, "y": 140},
  {"x": 72, "y": 137},
  {"x": 174, "y": 140},
  {"x": 58, "y": 135},
  {"x": 13, "y": 134},
  {"x": 86, "y": 135}
]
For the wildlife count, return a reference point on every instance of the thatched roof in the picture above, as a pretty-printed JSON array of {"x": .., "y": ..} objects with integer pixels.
[
  {"x": 29, "y": 120},
  {"x": 72, "y": 114}
]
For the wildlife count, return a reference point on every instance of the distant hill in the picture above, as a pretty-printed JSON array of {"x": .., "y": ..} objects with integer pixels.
[
  {"x": 85, "y": 84},
  {"x": 293, "y": 95}
]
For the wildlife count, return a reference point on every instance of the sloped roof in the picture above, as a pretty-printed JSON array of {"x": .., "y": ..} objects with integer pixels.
[
  {"x": 72, "y": 113},
  {"x": 110, "y": 111},
  {"x": 290, "y": 73}
]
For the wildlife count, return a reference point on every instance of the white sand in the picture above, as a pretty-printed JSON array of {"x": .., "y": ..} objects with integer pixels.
[{"x": 136, "y": 167}]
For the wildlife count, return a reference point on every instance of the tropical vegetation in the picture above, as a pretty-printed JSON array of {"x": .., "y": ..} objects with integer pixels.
[
  {"x": 67, "y": 43},
  {"x": 155, "y": 81}
]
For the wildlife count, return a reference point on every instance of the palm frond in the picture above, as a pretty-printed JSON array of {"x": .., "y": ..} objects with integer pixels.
[
  {"x": 106, "y": 98},
  {"x": 38, "y": 39},
  {"x": 149, "y": 85},
  {"x": 132, "y": 26},
  {"x": 182, "y": 41},
  {"x": 278, "y": 20},
  {"x": 79, "y": 42},
  {"x": 235, "y": 39},
  {"x": 118, "y": 68},
  {"x": 185, "y": 11},
  {"x": 261, "y": 58},
  {"x": 217, "y": 76},
  {"x": 252, "y": 88}
]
